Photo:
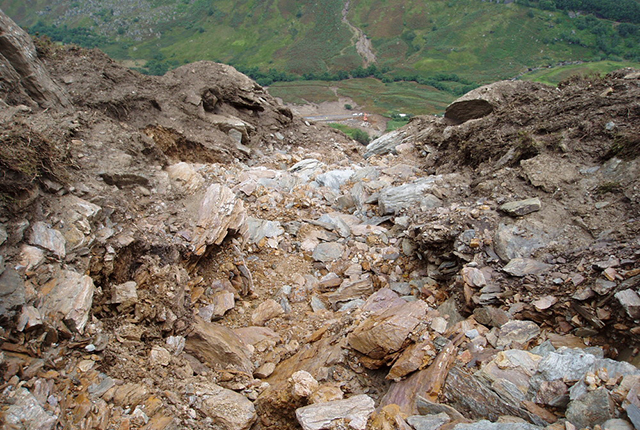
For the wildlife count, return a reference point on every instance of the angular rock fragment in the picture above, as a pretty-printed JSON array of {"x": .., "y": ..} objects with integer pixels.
[
  {"x": 630, "y": 301},
  {"x": 185, "y": 178},
  {"x": 265, "y": 311},
  {"x": 220, "y": 213},
  {"x": 525, "y": 266},
  {"x": 26, "y": 413},
  {"x": 385, "y": 144},
  {"x": 428, "y": 422},
  {"x": 218, "y": 347},
  {"x": 521, "y": 207},
  {"x": 12, "y": 293},
  {"x": 394, "y": 199},
  {"x": 593, "y": 408},
  {"x": 328, "y": 251},
  {"x": 227, "y": 409},
  {"x": 69, "y": 300},
  {"x": 516, "y": 331},
  {"x": 355, "y": 410},
  {"x": 48, "y": 238},
  {"x": 387, "y": 332}
]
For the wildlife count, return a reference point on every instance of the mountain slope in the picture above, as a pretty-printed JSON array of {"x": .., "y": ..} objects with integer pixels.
[{"x": 481, "y": 41}]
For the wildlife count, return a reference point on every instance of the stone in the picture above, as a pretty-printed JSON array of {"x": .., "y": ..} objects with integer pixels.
[
  {"x": 220, "y": 213},
  {"x": 384, "y": 333},
  {"x": 303, "y": 384},
  {"x": 306, "y": 168},
  {"x": 335, "y": 178},
  {"x": 265, "y": 370},
  {"x": 385, "y": 144},
  {"x": 26, "y": 413},
  {"x": 473, "y": 277},
  {"x": 125, "y": 179},
  {"x": 516, "y": 331},
  {"x": 488, "y": 425},
  {"x": 69, "y": 300},
  {"x": 416, "y": 356},
  {"x": 30, "y": 257},
  {"x": 185, "y": 178},
  {"x": 29, "y": 317},
  {"x": 222, "y": 302},
  {"x": 351, "y": 290},
  {"x": 48, "y": 238},
  {"x": 545, "y": 302},
  {"x": 12, "y": 294},
  {"x": 521, "y": 267},
  {"x": 428, "y": 422},
  {"x": 565, "y": 364},
  {"x": 328, "y": 251},
  {"x": 593, "y": 408},
  {"x": 518, "y": 240},
  {"x": 617, "y": 424},
  {"x": 630, "y": 301},
  {"x": 392, "y": 200},
  {"x": 218, "y": 347},
  {"x": 258, "y": 229},
  {"x": 160, "y": 356},
  {"x": 265, "y": 311},
  {"x": 320, "y": 415},
  {"x": 227, "y": 409},
  {"x": 521, "y": 207},
  {"x": 549, "y": 172},
  {"x": 326, "y": 393},
  {"x": 126, "y": 293}
]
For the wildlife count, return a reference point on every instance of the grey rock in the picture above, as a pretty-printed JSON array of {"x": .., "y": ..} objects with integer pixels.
[
  {"x": 26, "y": 413},
  {"x": 565, "y": 364},
  {"x": 258, "y": 229},
  {"x": 630, "y": 301},
  {"x": 336, "y": 223},
  {"x": 488, "y": 425},
  {"x": 518, "y": 240},
  {"x": 12, "y": 293},
  {"x": 427, "y": 407},
  {"x": 317, "y": 304},
  {"x": 320, "y": 415},
  {"x": 48, "y": 238},
  {"x": 227, "y": 409},
  {"x": 633, "y": 412},
  {"x": 593, "y": 408},
  {"x": 617, "y": 424},
  {"x": 306, "y": 168},
  {"x": 222, "y": 302},
  {"x": 328, "y": 251},
  {"x": 3, "y": 235},
  {"x": 385, "y": 144},
  {"x": 603, "y": 286},
  {"x": 392, "y": 200},
  {"x": 428, "y": 422},
  {"x": 334, "y": 178},
  {"x": 522, "y": 207},
  {"x": 525, "y": 266},
  {"x": 517, "y": 331},
  {"x": 70, "y": 300}
]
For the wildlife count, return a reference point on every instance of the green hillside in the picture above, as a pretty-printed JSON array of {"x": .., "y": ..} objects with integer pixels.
[{"x": 282, "y": 40}]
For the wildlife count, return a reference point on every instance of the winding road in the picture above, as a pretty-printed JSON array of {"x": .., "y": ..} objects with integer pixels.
[{"x": 362, "y": 42}]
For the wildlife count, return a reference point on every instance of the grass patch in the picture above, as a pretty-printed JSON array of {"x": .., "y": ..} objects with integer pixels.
[
  {"x": 554, "y": 75},
  {"x": 354, "y": 133}
]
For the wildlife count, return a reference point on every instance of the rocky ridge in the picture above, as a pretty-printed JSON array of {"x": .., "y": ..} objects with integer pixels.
[{"x": 199, "y": 257}]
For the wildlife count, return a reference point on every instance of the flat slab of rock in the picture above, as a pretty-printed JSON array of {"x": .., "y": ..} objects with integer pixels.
[
  {"x": 227, "y": 409},
  {"x": 525, "y": 266},
  {"x": 394, "y": 199},
  {"x": 26, "y": 413},
  {"x": 69, "y": 300},
  {"x": 265, "y": 311},
  {"x": 328, "y": 251},
  {"x": 12, "y": 293},
  {"x": 630, "y": 301},
  {"x": 385, "y": 144},
  {"x": 48, "y": 238},
  {"x": 522, "y": 207},
  {"x": 220, "y": 212},
  {"x": 387, "y": 332},
  {"x": 356, "y": 410},
  {"x": 218, "y": 347}
]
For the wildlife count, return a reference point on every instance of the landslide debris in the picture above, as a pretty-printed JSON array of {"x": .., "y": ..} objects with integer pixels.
[{"x": 193, "y": 255}]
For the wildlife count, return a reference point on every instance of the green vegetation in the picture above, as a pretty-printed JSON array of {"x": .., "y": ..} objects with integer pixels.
[
  {"x": 354, "y": 133},
  {"x": 449, "y": 47},
  {"x": 553, "y": 76}
]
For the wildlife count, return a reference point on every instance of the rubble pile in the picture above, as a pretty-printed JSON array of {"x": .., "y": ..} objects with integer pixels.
[{"x": 213, "y": 261}]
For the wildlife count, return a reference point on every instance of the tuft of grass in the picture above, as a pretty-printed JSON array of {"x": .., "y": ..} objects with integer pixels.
[{"x": 356, "y": 134}]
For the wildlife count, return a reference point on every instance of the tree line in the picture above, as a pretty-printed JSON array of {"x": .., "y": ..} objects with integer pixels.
[{"x": 616, "y": 10}]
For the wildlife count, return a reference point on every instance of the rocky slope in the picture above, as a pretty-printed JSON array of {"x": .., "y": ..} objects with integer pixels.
[{"x": 183, "y": 252}]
